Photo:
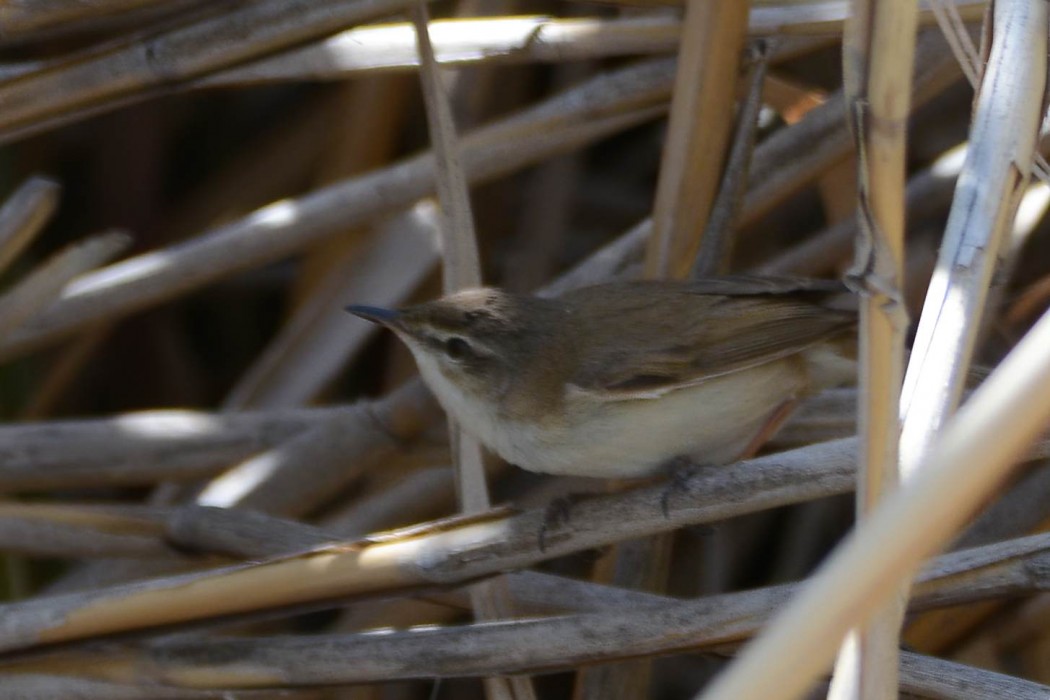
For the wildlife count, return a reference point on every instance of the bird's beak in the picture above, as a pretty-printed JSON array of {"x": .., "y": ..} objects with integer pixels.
[{"x": 384, "y": 317}]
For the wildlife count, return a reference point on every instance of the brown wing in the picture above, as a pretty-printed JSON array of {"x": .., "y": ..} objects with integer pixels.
[{"x": 649, "y": 337}]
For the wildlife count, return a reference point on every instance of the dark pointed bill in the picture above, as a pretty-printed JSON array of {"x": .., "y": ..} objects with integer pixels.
[{"x": 375, "y": 314}]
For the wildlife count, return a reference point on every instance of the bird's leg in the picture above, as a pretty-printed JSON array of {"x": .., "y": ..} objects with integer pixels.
[
  {"x": 557, "y": 514},
  {"x": 771, "y": 427},
  {"x": 681, "y": 471}
]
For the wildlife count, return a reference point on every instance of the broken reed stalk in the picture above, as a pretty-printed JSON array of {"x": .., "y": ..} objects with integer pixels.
[{"x": 878, "y": 48}]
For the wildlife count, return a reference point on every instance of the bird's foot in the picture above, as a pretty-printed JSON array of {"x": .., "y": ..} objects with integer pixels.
[
  {"x": 557, "y": 514},
  {"x": 681, "y": 471}
]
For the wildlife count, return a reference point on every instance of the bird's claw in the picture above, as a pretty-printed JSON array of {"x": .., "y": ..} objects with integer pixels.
[
  {"x": 680, "y": 471},
  {"x": 557, "y": 514}
]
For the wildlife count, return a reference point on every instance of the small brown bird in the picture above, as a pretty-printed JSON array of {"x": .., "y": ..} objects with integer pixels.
[{"x": 617, "y": 379}]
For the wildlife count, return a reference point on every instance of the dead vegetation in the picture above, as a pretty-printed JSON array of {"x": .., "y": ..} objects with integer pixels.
[{"x": 217, "y": 486}]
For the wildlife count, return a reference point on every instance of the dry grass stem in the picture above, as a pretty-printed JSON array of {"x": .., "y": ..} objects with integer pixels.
[
  {"x": 930, "y": 677},
  {"x": 460, "y": 42},
  {"x": 142, "y": 448},
  {"x": 820, "y": 16},
  {"x": 42, "y": 686}
]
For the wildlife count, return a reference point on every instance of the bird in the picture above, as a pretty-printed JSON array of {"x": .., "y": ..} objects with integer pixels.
[{"x": 617, "y": 380}]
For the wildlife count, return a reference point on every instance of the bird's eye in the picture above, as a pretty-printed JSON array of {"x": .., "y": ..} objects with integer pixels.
[{"x": 457, "y": 348}]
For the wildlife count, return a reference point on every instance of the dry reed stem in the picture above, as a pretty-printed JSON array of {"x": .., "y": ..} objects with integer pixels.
[
  {"x": 971, "y": 459},
  {"x": 716, "y": 249},
  {"x": 878, "y": 48},
  {"x": 24, "y": 214},
  {"x": 143, "y": 447},
  {"x": 37, "y": 537},
  {"x": 790, "y": 98},
  {"x": 22, "y": 22},
  {"x": 461, "y": 268},
  {"x": 55, "y": 386},
  {"x": 404, "y": 59},
  {"x": 459, "y": 42},
  {"x": 792, "y": 158},
  {"x": 625, "y": 624},
  {"x": 318, "y": 341},
  {"x": 423, "y": 494},
  {"x": 997, "y": 167},
  {"x": 605, "y": 105},
  {"x": 701, "y": 121},
  {"x": 937, "y": 678},
  {"x": 44, "y": 686},
  {"x": 497, "y": 40},
  {"x": 123, "y": 74},
  {"x": 698, "y": 133},
  {"x": 927, "y": 192},
  {"x": 444, "y": 554},
  {"x": 297, "y": 476},
  {"x": 294, "y": 477},
  {"x": 821, "y": 16},
  {"x": 41, "y": 286},
  {"x": 447, "y": 554}
]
